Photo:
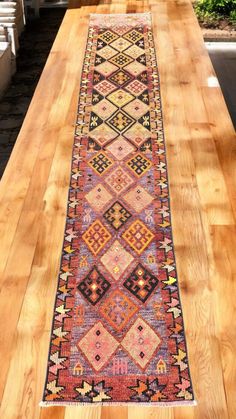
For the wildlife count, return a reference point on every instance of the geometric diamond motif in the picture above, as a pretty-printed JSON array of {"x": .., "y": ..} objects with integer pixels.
[
  {"x": 135, "y": 87},
  {"x": 106, "y": 68},
  {"x": 121, "y": 59},
  {"x": 104, "y": 109},
  {"x": 136, "y": 107},
  {"x": 121, "y": 29},
  {"x": 116, "y": 260},
  {"x": 133, "y": 36},
  {"x": 134, "y": 51},
  {"x": 108, "y": 36},
  {"x": 117, "y": 215},
  {"x": 93, "y": 286},
  {"x": 120, "y": 121},
  {"x": 96, "y": 237},
  {"x": 139, "y": 164},
  {"x": 138, "y": 198},
  {"x": 98, "y": 345},
  {"x": 107, "y": 52},
  {"x": 137, "y": 134},
  {"x": 120, "y": 77},
  {"x": 105, "y": 87},
  {"x": 98, "y": 197},
  {"x": 141, "y": 342},
  {"x": 141, "y": 283},
  {"x": 135, "y": 68},
  {"x": 119, "y": 180},
  {"x": 120, "y": 44},
  {"x": 103, "y": 134},
  {"x": 120, "y": 148},
  {"x": 100, "y": 163},
  {"x": 118, "y": 309},
  {"x": 138, "y": 236},
  {"x": 120, "y": 97}
]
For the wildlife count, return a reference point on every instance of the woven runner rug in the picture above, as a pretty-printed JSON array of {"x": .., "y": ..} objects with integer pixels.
[{"x": 118, "y": 334}]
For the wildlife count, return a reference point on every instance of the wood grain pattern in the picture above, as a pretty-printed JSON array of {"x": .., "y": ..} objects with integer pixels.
[{"x": 201, "y": 153}]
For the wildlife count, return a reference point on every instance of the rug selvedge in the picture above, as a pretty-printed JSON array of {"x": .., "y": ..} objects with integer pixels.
[{"x": 118, "y": 334}]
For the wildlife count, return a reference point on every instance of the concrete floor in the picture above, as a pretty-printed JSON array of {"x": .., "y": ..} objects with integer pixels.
[
  {"x": 36, "y": 42},
  {"x": 223, "y": 57}
]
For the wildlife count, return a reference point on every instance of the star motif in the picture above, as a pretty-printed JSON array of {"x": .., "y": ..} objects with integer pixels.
[
  {"x": 162, "y": 167},
  {"x": 165, "y": 245},
  {"x": 54, "y": 389},
  {"x": 57, "y": 363},
  {"x": 60, "y": 336},
  {"x": 164, "y": 211},
  {"x": 62, "y": 312}
]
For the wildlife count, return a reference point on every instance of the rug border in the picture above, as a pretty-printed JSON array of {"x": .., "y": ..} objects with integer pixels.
[
  {"x": 120, "y": 14},
  {"x": 65, "y": 221}
]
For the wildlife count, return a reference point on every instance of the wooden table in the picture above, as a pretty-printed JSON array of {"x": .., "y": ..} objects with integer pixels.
[{"x": 201, "y": 156}]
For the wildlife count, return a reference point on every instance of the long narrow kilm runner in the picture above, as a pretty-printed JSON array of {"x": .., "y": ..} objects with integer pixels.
[{"x": 118, "y": 334}]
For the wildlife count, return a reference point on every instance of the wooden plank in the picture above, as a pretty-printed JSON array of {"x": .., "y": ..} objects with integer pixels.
[
  {"x": 191, "y": 245},
  {"x": 150, "y": 413},
  {"x": 213, "y": 192},
  {"x": 52, "y": 413},
  {"x": 19, "y": 170},
  {"x": 220, "y": 124},
  {"x": 89, "y": 412},
  {"x": 224, "y": 245},
  {"x": 31, "y": 345},
  {"x": 201, "y": 153},
  {"x": 25, "y": 242},
  {"x": 110, "y": 412},
  {"x": 224, "y": 137}
]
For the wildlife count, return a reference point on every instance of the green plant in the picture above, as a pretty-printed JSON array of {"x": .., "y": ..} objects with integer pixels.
[
  {"x": 216, "y": 8},
  {"x": 232, "y": 17}
]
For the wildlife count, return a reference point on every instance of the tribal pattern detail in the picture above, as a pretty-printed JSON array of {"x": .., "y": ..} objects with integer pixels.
[{"x": 118, "y": 334}]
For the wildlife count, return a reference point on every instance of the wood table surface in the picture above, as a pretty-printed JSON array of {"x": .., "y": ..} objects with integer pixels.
[{"x": 201, "y": 149}]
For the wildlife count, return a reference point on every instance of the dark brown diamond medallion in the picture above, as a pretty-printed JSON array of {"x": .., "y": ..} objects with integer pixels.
[
  {"x": 120, "y": 121},
  {"x": 94, "y": 286},
  {"x": 120, "y": 78},
  {"x": 117, "y": 215},
  {"x": 141, "y": 283}
]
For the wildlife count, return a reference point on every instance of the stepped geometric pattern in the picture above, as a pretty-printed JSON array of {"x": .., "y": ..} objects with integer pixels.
[
  {"x": 117, "y": 215},
  {"x": 118, "y": 334}
]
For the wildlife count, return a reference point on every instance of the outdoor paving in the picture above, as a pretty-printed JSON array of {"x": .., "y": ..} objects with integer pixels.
[
  {"x": 223, "y": 57},
  {"x": 35, "y": 45}
]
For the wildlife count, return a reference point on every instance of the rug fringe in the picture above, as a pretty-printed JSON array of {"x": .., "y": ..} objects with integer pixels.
[
  {"x": 147, "y": 404},
  {"x": 119, "y": 14}
]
